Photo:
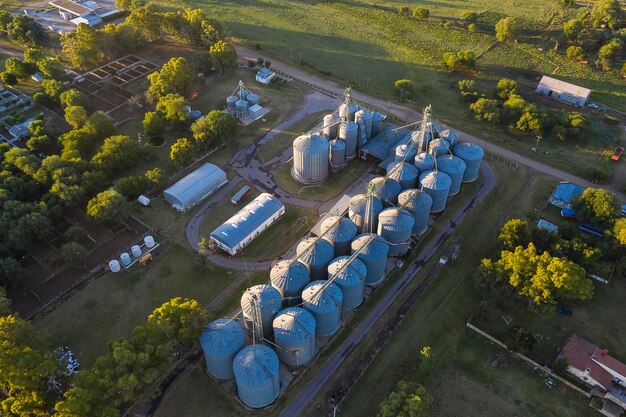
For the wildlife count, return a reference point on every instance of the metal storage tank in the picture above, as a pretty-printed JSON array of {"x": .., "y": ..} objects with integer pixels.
[
  {"x": 337, "y": 154},
  {"x": 455, "y": 168},
  {"x": 125, "y": 258},
  {"x": 330, "y": 126},
  {"x": 289, "y": 277},
  {"x": 149, "y": 241},
  {"x": 220, "y": 341},
  {"x": 365, "y": 117},
  {"x": 230, "y": 102},
  {"x": 241, "y": 106},
  {"x": 136, "y": 251},
  {"x": 373, "y": 251},
  {"x": 348, "y": 133},
  {"x": 341, "y": 231},
  {"x": 317, "y": 254},
  {"x": 405, "y": 152},
  {"x": 418, "y": 203},
  {"x": 473, "y": 155},
  {"x": 294, "y": 333},
  {"x": 438, "y": 147},
  {"x": 403, "y": 172},
  {"x": 323, "y": 299},
  {"x": 437, "y": 184},
  {"x": 252, "y": 99},
  {"x": 256, "y": 374},
  {"x": 377, "y": 124},
  {"x": 387, "y": 190},
  {"x": 396, "y": 225},
  {"x": 424, "y": 162},
  {"x": 269, "y": 302},
  {"x": 450, "y": 136},
  {"x": 350, "y": 277},
  {"x": 114, "y": 265},
  {"x": 363, "y": 210},
  {"x": 310, "y": 159},
  {"x": 243, "y": 93},
  {"x": 347, "y": 112}
]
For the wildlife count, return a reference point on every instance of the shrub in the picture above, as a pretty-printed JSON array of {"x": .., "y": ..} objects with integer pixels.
[
  {"x": 459, "y": 60},
  {"x": 507, "y": 29},
  {"x": 575, "y": 53},
  {"x": 421, "y": 13},
  {"x": 404, "y": 88}
]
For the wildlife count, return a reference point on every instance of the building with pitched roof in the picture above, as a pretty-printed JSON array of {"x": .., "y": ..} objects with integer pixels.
[
  {"x": 564, "y": 193},
  {"x": 563, "y": 91}
]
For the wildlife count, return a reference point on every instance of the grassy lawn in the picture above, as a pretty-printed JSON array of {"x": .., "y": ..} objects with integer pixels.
[{"x": 329, "y": 189}]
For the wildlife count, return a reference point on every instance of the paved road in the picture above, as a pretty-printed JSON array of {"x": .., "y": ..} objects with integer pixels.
[
  {"x": 412, "y": 115},
  {"x": 308, "y": 393}
]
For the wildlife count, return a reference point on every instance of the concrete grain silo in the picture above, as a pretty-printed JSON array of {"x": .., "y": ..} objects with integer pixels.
[
  {"x": 395, "y": 225},
  {"x": 437, "y": 184},
  {"x": 473, "y": 155},
  {"x": 256, "y": 375},
  {"x": 363, "y": 210},
  {"x": 294, "y": 333},
  {"x": 424, "y": 162},
  {"x": 317, "y": 254},
  {"x": 310, "y": 159},
  {"x": 289, "y": 277},
  {"x": 323, "y": 299},
  {"x": 348, "y": 133},
  {"x": 220, "y": 341},
  {"x": 339, "y": 231},
  {"x": 373, "y": 251},
  {"x": 418, "y": 203},
  {"x": 386, "y": 189},
  {"x": 350, "y": 277},
  {"x": 259, "y": 304},
  {"x": 404, "y": 173},
  {"x": 455, "y": 168}
]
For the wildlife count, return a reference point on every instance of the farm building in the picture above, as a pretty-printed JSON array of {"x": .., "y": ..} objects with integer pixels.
[
  {"x": 78, "y": 12},
  {"x": 544, "y": 224},
  {"x": 265, "y": 75},
  {"x": 564, "y": 193},
  {"x": 563, "y": 91},
  {"x": 241, "y": 229},
  {"x": 195, "y": 187},
  {"x": 20, "y": 131}
]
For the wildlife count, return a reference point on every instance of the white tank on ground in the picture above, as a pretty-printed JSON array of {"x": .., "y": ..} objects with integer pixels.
[
  {"x": 114, "y": 265},
  {"x": 148, "y": 241}
]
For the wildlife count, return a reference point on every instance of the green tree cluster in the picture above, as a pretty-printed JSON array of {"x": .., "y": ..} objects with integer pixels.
[
  {"x": 421, "y": 13},
  {"x": 596, "y": 205},
  {"x": 175, "y": 77},
  {"x": 607, "y": 12},
  {"x": 22, "y": 28},
  {"x": 223, "y": 56},
  {"x": 217, "y": 127},
  {"x": 507, "y": 29},
  {"x": 409, "y": 399},
  {"x": 460, "y": 60},
  {"x": 404, "y": 89},
  {"x": 108, "y": 207}
]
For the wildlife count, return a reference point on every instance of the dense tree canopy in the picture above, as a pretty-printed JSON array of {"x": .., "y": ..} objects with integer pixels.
[
  {"x": 486, "y": 109},
  {"x": 182, "y": 153},
  {"x": 217, "y": 127},
  {"x": 108, "y": 207},
  {"x": 408, "y": 400},
  {"x": 506, "y": 88},
  {"x": 82, "y": 48},
  {"x": 619, "y": 230},
  {"x": 507, "y": 29},
  {"x": 460, "y": 60},
  {"x": 515, "y": 233},
  {"x": 116, "y": 154},
  {"x": 171, "y": 108},
  {"x": 596, "y": 205},
  {"x": 223, "y": 56},
  {"x": 175, "y": 77},
  {"x": 404, "y": 88},
  {"x": 607, "y": 12},
  {"x": 573, "y": 28},
  {"x": 24, "y": 29}
]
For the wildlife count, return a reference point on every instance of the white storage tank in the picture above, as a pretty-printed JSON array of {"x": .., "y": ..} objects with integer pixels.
[
  {"x": 350, "y": 277},
  {"x": 438, "y": 147},
  {"x": 323, "y": 300},
  {"x": 365, "y": 117},
  {"x": 114, "y": 265},
  {"x": 337, "y": 154},
  {"x": 405, "y": 173},
  {"x": 268, "y": 302},
  {"x": 373, "y": 251},
  {"x": 473, "y": 155},
  {"x": 143, "y": 200},
  {"x": 348, "y": 133},
  {"x": 424, "y": 162},
  {"x": 310, "y": 159},
  {"x": 220, "y": 341},
  {"x": 386, "y": 189},
  {"x": 148, "y": 241},
  {"x": 256, "y": 374},
  {"x": 330, "y": 126},
  {"x": 125, "y": 258},
  {"x": 418, "y": 203},
  {"x": 289, "y": 277},
  {"x": 363, "y": 210},
  {"x": 455, "y": 168},
  {"x": 437, "y": 184},
  {"x": 405, "y": 152},
  {"x": 339, "y": 231},
  {"x": 317, "y": 254},
  {"x": 136, "y": 251},
  {"x": 395, "y": 226},
  {"x": 294, "y": 333},
  {"x": 347, "y": 112}
]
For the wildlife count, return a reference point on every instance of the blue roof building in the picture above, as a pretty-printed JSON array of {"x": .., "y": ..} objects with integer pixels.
[
  {"x": 241, "y": 229},
  {"x": 195, "y": 187},
  {"x": 265, "y": 75},
  {"x": 564, "y": 193},
  {"x": 544, "y": 224}
]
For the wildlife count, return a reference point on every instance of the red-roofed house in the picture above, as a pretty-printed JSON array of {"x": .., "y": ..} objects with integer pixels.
[{"x": 597, "y": 369}]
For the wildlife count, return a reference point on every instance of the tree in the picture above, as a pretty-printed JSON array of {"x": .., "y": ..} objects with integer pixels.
[
  {"x": 153, "y": 123},
  {"x": 38, "y": 143},
  {"x": 223, "y": 56},
  {"x": 132, "y": 186},
  {"x": 596, "y": 205},
  {"x": 404, "y": 11},
  {"x": 560, "y": 365},
  {"x": 421, "y": 13},
  {"x": 16, "y": 67},
  {"x": 455, "y": 61},
  {"x": 33, "y": 55},
  {"x": 513, "y": 108},
  {"x": 172, "y": 109},
  {"x": 607, "y": 12},
  {"x": 51, "y": 68},
  {"x": 573, "y": 28},
  {"x": 610, "y": 52},
  {"x": 24, "y": 29},
  {"x": 577, "y": 124},
  {"x": 181, "y": 153},
  {"x": 75, "y": 233},
  {"x": 147, "y": 20},
  {"x": 5, "y": 19},
  {"x": 622, "y": 72},
  {"x": 11, "y": 271},
  {"x": 176, "y": 77},
  {"x": 506, "y": 88},
  {"x": 83, "y": 47},
  {"x": 216, "y": 127},
  {"x": 575, "y": 53},
  {"x": 108, "y": 207},
  {"x": 515, "y": 233},
  {"x": 156, "y": 176},
  {"x": 469, "y": 17},
  {"x": 619, "y": 230},
  {"x": 530, "y": 121},
  {"x": 52, "y": 88},
  {"x": 507, "y": 29},
  {"x": 116, "y": 154},
  {"x": 100, "y": 125},
  {"x": 182, "y": 320},
  {"x": 73, "y": 97},
  {"x": 468, "y": 90},
  {"x": 408, "y": 400},
  {"x": 8, "y": 78},
  {"x": 76, "y": 116},
  {"x": 485, "y": 109},
  {"x": 404, "y": 88},
  {"x": 520, "y": 339},
  {"x": 202, "y": 62},
  {"x": 5, "y": 303},
  {"x": 74, "y": 253}
]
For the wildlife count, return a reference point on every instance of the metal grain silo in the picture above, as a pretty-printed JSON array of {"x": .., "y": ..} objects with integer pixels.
[
  {"x": 418, "y": 203},
  {"x": 339, "y": 231},
  {"x": 424, "y": 162},
  {"x": 252, "y": 99},
  {"x": 438, "y": 147},
  {"x": 437, "y": 184},
  {"x": 317, "y": 254},
  {"x": 337, "y": 154},
  {"x": 323, "y": 299},
  {"x": 347, "y": 112},
  {"x": 220, "y": 341},
  {"x": 396, "y": 225},
  {"x": 405, "y": 152},
  {"x": 473, "y": 155},
  {"x": 230, "y": 102},
  {"x": 451, "y": 136},
  {"x": 365, "y": 117},
  {"x": 259, "y": 304},
  {"x": 289, "y": 277},
  {"x": 386, "y": 189},
  {"x": 294, "y": 334},
  {"x": 350, "y": 277},
  {"x": 348, "y": 133},
  {"x": 310, "y": 159},
  {"x": 377, "y": 124},
  {"x": 241, "y": 106},
  {"x": 373, "y": 251},
  {"x": 256, "y": 374},
  {"x": 330, "y": 126},
  {"x": 455, "y": 168},
  {"x": 363, "y": 210},
  {"x": 404, "y": 172}
]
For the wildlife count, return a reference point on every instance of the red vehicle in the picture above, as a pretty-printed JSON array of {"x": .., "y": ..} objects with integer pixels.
[{"x": 618, "y": 152}]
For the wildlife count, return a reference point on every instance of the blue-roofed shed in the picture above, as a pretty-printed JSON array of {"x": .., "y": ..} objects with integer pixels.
[
  {"x": 195, "y": 187},
  {"x": 241, "y": 229},
  {"x": 544, "y": 224},
  {"x": 564, "y": 193}
]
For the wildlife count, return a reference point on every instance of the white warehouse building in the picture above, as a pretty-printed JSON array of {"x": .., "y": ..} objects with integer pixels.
[
  {"x": 241, "y": 229},
  {"x": 196, "y": 186},
  {"x": 563, "y": 91}
]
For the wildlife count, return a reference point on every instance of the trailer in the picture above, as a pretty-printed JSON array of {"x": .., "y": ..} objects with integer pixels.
[
  {"x": 241, "y": 194},
  {"x": 618, "y": 153},
  {"x": 568, "y": 213}
]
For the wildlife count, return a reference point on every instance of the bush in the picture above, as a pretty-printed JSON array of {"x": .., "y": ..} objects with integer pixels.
[
  {"x": 506, "y": 88},
  {"x": 404, "y": 88},
  {"x": 471, "y": 27},
  {"x": 469, "y": 17},
  {"x": 506, "y": 29},
  {"x": 485, "y": 109},
  {"x": 454, "y": 61},
  {"x": 575, "y": 53},
  {"x": 404, "y": 11},
  {"x": 8, "y": 78},
  {"x": 421, "y": 13}
]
